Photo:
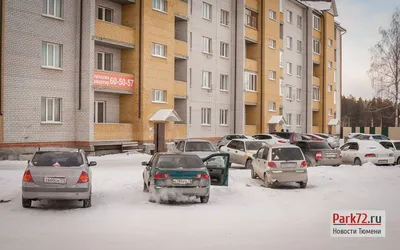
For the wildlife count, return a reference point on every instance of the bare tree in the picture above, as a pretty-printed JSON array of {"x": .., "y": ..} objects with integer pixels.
[{"x": 385, "y": 63}]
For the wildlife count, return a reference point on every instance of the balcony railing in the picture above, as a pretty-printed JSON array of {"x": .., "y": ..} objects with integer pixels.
[
  {"x": 181, "y": 48},
  {"x": 180, "y": 89},
  {"x": 115, "y": 35},
  {"x": 251, "y": 65},
  {"x": 181, "y": 8},
  {"x": 113, "y": 131},
  {"x": 251, "y": 97}
]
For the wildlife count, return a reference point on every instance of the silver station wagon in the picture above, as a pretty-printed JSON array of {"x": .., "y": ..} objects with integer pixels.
[{"x": 58, "y": 175}]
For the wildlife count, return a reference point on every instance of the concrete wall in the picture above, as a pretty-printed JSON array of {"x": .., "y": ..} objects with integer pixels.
[
  {"x": 215, "y": 98},
  {"x": 112, "y": 105}
]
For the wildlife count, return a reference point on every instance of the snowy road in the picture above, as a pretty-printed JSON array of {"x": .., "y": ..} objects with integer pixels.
[{"x": 244, "y": 215}]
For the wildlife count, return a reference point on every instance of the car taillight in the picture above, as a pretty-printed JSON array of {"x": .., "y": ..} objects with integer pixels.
[
  {"x": 161, "y": 176},
  {"x": 203, "y": 176},
  {"x": 340, "y": 154},
  {"x": 370, "y": 155},
  {"x": 27, "y": 176},
  {"x": 282, "y": 141},
  {"x": 84, "y": 178},
  {"x": 318, "y": 155},
  {"x": 293, "y": 138},
  {"x": 304, "y": 164},
  {"x": 271, "y": 164}
]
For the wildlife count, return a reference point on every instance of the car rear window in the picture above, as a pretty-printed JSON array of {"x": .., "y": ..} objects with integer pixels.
[
  {"x": 254, "y": 145},
  {"x": 179, "y": 161},
  {"x": 323, "y": 136},
  {"x": 232, "y": 137},
  {"x": 319, "y": 145},
  {"x": 287, "y": 154},
  {"x": 199, "y": 146},
  {"x": 283, "y": 135},
  {"x": 61, "y": 159}
]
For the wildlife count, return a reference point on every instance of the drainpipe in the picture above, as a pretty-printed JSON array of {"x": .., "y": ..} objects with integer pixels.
[
  {"x": 80, "y": 56},
  {"x": 235, "y": 71},
  {"x": 307, "y": 83},
  {"x": 140, "y": 59},
  {"x": 323, "y": 75},
  {"x": 261, "y": 65},
  {"x": 1, "y": 53}
]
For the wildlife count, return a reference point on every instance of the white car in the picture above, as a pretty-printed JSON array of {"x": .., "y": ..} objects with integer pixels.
[
  {"x": 333, "y": 141},
  {"x": 360, "y": 152},
  {"x": 395, "y": 147},
  {"x": 241, "y": 151},
  {"x": 270, "y": 139}
]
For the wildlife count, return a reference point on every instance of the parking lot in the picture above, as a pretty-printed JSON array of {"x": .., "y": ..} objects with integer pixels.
[{"x": 244, "y": 215}]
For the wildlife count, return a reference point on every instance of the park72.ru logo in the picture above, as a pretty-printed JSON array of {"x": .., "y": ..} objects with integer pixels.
[{"x": 367, "y": 223}]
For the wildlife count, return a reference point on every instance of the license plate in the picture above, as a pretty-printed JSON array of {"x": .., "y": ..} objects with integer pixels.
[
  {"x": 382, "y": 161},
  {"x": 182, "y": 181},
  {"x": 331, "y": 155},
  {"x": 288, "y": 165},
  {"x": 55, "y": 180}
]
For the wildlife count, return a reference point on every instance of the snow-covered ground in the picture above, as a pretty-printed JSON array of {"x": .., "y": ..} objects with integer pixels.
[{"x": 244, "y": 215}]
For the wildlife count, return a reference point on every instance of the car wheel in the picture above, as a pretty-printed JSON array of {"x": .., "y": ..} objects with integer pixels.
[
  {"x": 335, "y": 166},
  {"x": 398, "y": 161},
  {"x": 87, "y": 203},
  {"x": 267, "y": 183},
  {"x": 303, "y": 184},
  {"x": 204, "y": 199},
  {"x": 26, "y": 203},
  {"x": 357, "y": 162},
  {"x": 253, "y": 173},
  {"x": 249, "y": 164},
  {"x": 145, "y": 188}
]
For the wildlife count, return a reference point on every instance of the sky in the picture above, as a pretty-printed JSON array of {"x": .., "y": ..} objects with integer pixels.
[{"x": 362, "y": 20}]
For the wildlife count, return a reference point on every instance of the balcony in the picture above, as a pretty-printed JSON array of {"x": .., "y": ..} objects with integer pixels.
[
  {"x": 114, "y": 35},
  {"x": 252, "y": 4},
  {"x": 113, "y": 82},
  {"x": 113, "y": 131},
  {"x": 123, "y": 1},
  {"x": 181, "y": 8},
  {"x": 251, "y": 98},
  {"x": 181, "y": 49},
  {"x": 251, "y": 130},
  {"x": 316, "y": 81},
  {"x": 180, "y": 89},
  {"x": 251, "y": 65},
  {"x": 251, "y": 34},
  {"x": 315, "y": 105},
  {"x": 316, "y": 58}
]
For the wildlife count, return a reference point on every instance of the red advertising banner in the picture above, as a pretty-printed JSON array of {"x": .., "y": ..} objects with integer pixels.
[{"x": 113, "y": 81}]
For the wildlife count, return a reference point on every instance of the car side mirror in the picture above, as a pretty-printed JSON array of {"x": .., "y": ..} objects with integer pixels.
[
  {"x": 145, "y": 163},
  {"x": 92, "y": 163}
]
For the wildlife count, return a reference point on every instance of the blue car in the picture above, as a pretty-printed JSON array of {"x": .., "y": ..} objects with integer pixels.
[{"x": 168, "y": 176}]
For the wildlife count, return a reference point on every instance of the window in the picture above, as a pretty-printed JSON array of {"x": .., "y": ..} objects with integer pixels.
[
  {"x": 272, "y": 106},
  {"x": 223, "y": 117},
  {"x": 272, "y": 15},
  {"x": 272, "y": 75},
  {"x": 159, "y": 95},
  {"x": 223, "y": 83},
  {"x": 289, "y": 119},
  {"x": 289, "y": 68},
  {"x": 317, "y": 23},
  {"x": 206, "y": 80},
  {"x": 104, "y": 61},
  {"x": 298, "y": 120},
  {"x": 159, "y": 50},
  {"x": 251, "y": 18},
  {"x": 190, "y": 40},
  {"x": 281, "y": 31},
  {"x": 250, "y": 81},
  {"x": 334, "y": 75},
  {"x": 281, "y": 87},
  {"x": 316, "y": 46},
  {"x": 299, "y": 46},
  {"x": 99, "y": 112},
  {"x": 280, "y": 110},
  {"x": 160, "y": 5},
  {"x": 298, "y": 94},
  {"x": 289, "y": 41},
  {"x": 53, "y": 8},
  {"x": 334, "y": 55},
  {"x": 281, "y": 59},
  {"x": 224, "y": 17},
  {"x": 272, "y": 43},
  {"x": 289, "y": 92},
  {"x": 51, "y": 55},
  {"x": 190, "y": 115},
  {"x": 299, "y": 22},
  {"x": 207, "y": 45},
  {"x": 330, "y": 42},
  {"x": 334, "y": 98},
  {"x": 330, "y": 64},
  {"x": 205, "y": 116},
  {"x": 51, "y": 109},
  {"x": 330, "y": 112},
  {"x": 335, "y": 33},
  {"x": 104, "y": 14},
  {"x": 315, "y": 93},
  {"x": 207, "y": 11},
  {"x": 224, "y": 48},
  {"x": 299, "y": 71},
  {"x": 330, "y": 88},
  {"x": 289, "y": 16}
]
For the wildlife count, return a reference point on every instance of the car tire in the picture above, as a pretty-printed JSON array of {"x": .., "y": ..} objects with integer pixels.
[
  {"x": 398, "y": 161},
  {"x": 145, "y": 188},
  {"x": 26, "y": 203},
  {"x": 303, "y": 184},
  {"x": 253, "y": 173},
  {"x": 204, "y": 199},
  {"x": 248, "y": 164},
  {"x": 267, "y": 183},
  {"x": 87, "y": 203},
  {"x": 335, "y": 166},
  {"x": 357, "y": 162}
]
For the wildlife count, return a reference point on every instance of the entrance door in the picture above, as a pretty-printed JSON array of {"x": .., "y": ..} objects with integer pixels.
[
  {"x": 271, "y": 127},
  {"x": 159, "y": 136}
]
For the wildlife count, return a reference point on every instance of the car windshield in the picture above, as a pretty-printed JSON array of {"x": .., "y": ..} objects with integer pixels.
[
  {"x": 179, "y": 161},
  {"x": 287, "y": 154},
  {"x": 397, "y": 145},
  {"x": 319, "y": 145},
  {"x": 57, "y": 159},
  {"x": 199, "y": 146},
  {"x": 323, "y": 136},
  {"x": 254, "y": 145},
  {"x": 232, "y": 137}
]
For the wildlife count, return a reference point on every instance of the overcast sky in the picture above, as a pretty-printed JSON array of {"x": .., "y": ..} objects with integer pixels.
[{"x": 361, "y": 19}]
